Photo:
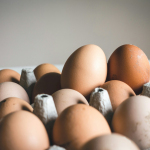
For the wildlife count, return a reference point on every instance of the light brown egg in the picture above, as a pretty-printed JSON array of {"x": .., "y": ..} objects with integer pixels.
[
  {"x": 129, "y": 64},
  {"x": 110, "y": 142},
  {"x": 118, "y": 92},
  {"x": 9, "y": 75},
  {"x": 66, "y": 97},
  {"x": 11, "y": 89},
  {"x": 13, "y": 104},
  {"x": 22, "y": 130},
  {"x": 78, "y": 124},
  {"x": 42, "y": 69},
  {"x": 85, "y": 70},
  {"x": 132, "y": 119},
  {"x": 47, "y": 84}
]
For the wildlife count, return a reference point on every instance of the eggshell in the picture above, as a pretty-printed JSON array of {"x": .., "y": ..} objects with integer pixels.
[
  {"x": 47, "y": 84},
  {"x": 22, "y": 130},
  {"x": 129, "y": 64},
  {"x": 42, "y": 69},
  {"x": 110, "y": 142},
  {"x": 66, "y": 97},
  {"x": 118, "y": 92},
  {"x": 12, "y": 104},
  {"x": 78, "y": 124},
  {"x": 11, "y": 89},
  {"x": 9, "y": 75},
  {"x": 85, "y": 70},
  {"x": 132, "y": 119}
]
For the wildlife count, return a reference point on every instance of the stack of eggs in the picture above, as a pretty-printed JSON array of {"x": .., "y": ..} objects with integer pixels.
[{"x": 91, "y": 105}]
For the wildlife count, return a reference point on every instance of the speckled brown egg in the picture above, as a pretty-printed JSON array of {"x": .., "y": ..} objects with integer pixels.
[
  {"x": 47, "y": 84},
  {"x": 11, "y": 89},
  {"x": 66, "y": 97},
  {"x": 22, "y": 130},
  {"x": 132, "y": 119},
  {"x": 129, "y": 64},
  {"x": 9, "y": 75},
  {"x": 110, "y": 142},
  {"x": 118, "y": 92},
  {"x": 78, "y": 124},
  {"x": 12, "y": 104},
  {"x": 42, "y": 69},
  {"x": 85, "y": 70}
]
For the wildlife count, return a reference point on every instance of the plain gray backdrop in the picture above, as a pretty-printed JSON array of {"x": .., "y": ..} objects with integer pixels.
[{"x": 34, "y": 32}]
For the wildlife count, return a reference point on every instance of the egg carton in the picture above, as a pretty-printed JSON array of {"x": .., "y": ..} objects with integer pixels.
[{"x": 99, "y": 99}]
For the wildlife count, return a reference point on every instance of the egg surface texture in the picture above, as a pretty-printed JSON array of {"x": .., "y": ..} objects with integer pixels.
[
  {"x": 118, "y": 92},
  {"x": 22, "y": 130},
  {"x": 129, "y": 64},
  {"x": 110, "y": 142},
  {"x": 77, "y": 124},
  {"x": 66, "y": 97},
  {"x": 132, "y": 119},
  {"x": 47, "y": 84},
  {"x": 42, "y": 69},
  {"x": 12, "y": 104},
  {"x": 85, "y": 70},
  {"x": 9, "y": 75},
  {"x": 11, "y": 89}
]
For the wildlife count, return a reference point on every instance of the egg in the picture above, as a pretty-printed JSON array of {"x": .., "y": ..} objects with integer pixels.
[
  {"x": 12, "y": 104},
  {"x": 132, "y": 119},
  {"x": 118, "y": 92},
  {"x": 11, "y": 89},
  {"x": 9, "y": 75},
  {"x": 47, "y": 84},
  {"x": 42, "y": 69},
  {"x": 110, "y": 142},
  {"x": 66, "y": 97},
  {"x": 129, "y": 64},
  {"x": 78, "y": 124},
  {"x": 85, "y": 70},
  {"x": 22, "y": 130}
]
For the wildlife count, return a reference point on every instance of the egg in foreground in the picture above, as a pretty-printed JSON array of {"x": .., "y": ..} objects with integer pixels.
[
  {"x": 132, "y": 119},
  {"x": 78, "y": 124},
  {"x": 22, "y": 130}
]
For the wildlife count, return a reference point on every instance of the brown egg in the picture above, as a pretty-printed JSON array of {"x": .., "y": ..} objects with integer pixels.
[
  {"x": 42, "y": 69},
  {"x": 67, "y": 97},
  {"x": 11, "y": 89},
  {"x": 132, "y": 119},
  {"x": 129, "y": 64},
  {"x": 118, "y": 92},
  {"x": 78, "y": 124},
  {"x": 47, "y": 84},
  {"x": 110, "y": 142},
  {"x": 85, "y": 70},
  {"x": 12, "y": 104},
  {"x": 8, "y": 75},
  {"x": 22, "y": 130}
]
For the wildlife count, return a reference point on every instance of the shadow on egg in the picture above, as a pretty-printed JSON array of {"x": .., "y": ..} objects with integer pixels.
[{"x": 47, "y": 84}]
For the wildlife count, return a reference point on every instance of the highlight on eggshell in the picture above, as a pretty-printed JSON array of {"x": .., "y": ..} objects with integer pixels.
[
  {"x": 129, "y": 64},
  {"x": 44, "y": 68},
  {"x": 84, "y": 70},
  {"x": 9, "y": 75}
]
